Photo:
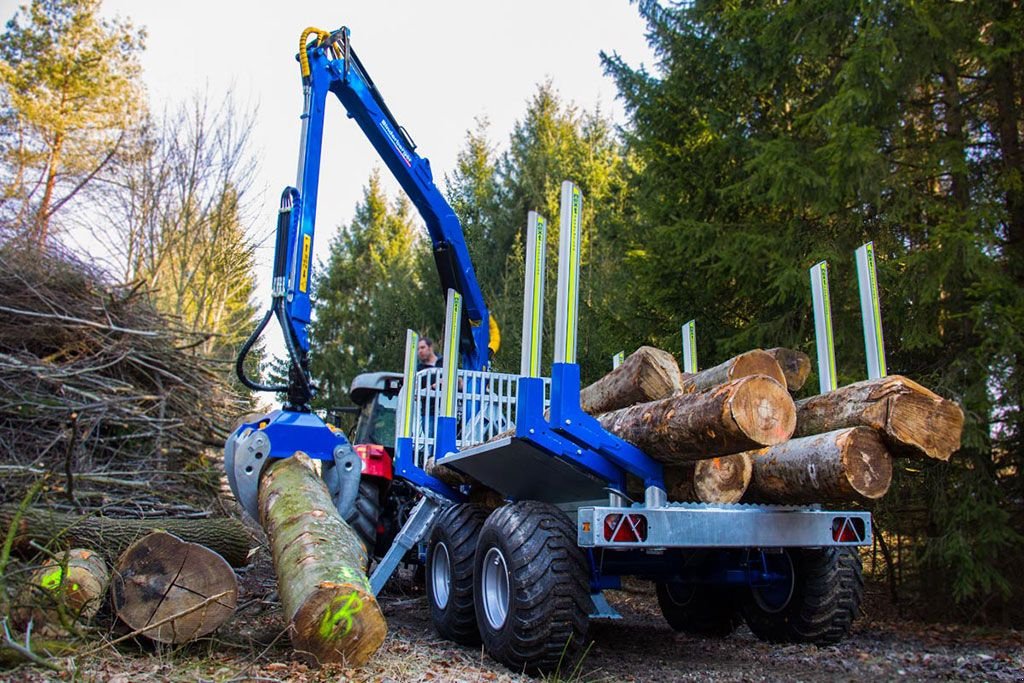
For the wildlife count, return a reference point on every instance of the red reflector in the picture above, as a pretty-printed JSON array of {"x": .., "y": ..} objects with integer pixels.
[
  {"x": 847, "y": 529},
  {"x": 625, "y": 528},
  {"x": 371, "y": 450}
]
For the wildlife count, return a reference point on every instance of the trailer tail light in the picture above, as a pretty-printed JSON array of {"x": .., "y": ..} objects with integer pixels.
[
  {"x": 848, "y": 530},
  {"x": 620, "y": 528}
]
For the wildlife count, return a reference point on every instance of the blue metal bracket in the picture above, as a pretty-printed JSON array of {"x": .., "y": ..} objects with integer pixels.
[{"x": 407, "y": 469}]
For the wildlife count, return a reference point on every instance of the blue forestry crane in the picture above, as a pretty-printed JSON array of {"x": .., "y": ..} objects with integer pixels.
[{"x": 568, "y": 529}]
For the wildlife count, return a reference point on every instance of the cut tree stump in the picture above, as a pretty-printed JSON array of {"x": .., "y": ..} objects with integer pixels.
[
  {"x": 110, "y": 536},
  {"x": 320, "y": 565},
  {"x": 168, "y": 589},
  {"x": 756, "y": 362},
  {"x": 648, "y": 374},
  {"x": 913, "y": 420},
  {"x": 747, "y": 413},
  {"x": 69, "y": 587},
  {"x": 847, "y": 465},
  {"x": 796, "y": 366}
]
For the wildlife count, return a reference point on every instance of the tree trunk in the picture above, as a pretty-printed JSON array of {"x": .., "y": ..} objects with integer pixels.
[
  {"x": 69, "y": 588},
  {"x": 847, "y": 465},
  {"x": 110, "y": 536},
  {"x": 320, "y": 565},
  {"x": 648, "y": 374},
  {"x": 176, "y": 591},
  {"x": 756, "y": 362},
  {"x": 747, "y": 413},
  {"x": 913, "y": 420},
  {"x": 795, "y": 365}
]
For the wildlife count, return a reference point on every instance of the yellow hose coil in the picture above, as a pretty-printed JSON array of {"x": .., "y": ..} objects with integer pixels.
[{"x": 303, "y": 57}]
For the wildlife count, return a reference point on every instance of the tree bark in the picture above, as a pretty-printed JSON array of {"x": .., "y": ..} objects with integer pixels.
[
  {"x": 111, "y": 536},
  {"x": 795, "y": 365},
  {"x": 913, "y": 420},
  {"x": 320, "y": 565},
  {"x": 756, "y": 362},
  {"x": 70, "y": 587},
  {"x": 747, "y": 413},
  {"x": 169, "y": 588},
  {"x": 648, "y": 374},
  {"x": 847, "y": 465}
]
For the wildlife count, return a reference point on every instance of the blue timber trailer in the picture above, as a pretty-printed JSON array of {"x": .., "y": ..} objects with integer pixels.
[{"x": 525, "y": 579}]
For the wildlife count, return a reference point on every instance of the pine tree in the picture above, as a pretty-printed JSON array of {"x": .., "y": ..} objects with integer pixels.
[
  {"x": 773, "y": 136},
  {"x": 69, "y": 95}
]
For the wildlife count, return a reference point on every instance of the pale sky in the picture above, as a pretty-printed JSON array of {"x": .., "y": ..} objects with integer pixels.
[{"x": 438, "y": 65}]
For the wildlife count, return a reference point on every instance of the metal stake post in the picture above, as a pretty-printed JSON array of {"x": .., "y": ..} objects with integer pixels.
[
  {"x": 690, "y": 347},
  {"x": 870, "y": 312},
  {"x": 823, "y": 328},
  {"x": 533, "y": 294}
]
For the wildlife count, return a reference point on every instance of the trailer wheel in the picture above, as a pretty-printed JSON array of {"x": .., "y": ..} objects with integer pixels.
[
  {"x": 817, "y": 605},
  {"x": 449, "y": 573},
  {"x": 699, "y": 609},
  {"x": 531, "y": 587},
  {"x": 365, "y": 514}
]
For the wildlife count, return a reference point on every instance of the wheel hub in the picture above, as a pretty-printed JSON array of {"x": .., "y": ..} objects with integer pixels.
[
  {"x": 441, "y": 575},
  {"x": 773, "y": 596},
  {"x": 495, "y": 585}
]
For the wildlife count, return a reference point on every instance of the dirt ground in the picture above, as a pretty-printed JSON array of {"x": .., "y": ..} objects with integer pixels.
[{"x": 639, "y": 647}]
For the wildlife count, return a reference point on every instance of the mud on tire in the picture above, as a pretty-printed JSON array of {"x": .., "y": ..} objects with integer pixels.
[
  {"x": 823, "y": 599},
  {"x": 531, "y": 588},
  {"x": 365, "y": 514},
  {"x": 449, "y": 573}
]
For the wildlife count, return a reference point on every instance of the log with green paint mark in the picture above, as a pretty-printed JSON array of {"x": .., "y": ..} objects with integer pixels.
[
  {"x": 321, "y": 567},
  {"x": 65, "y": 590}
]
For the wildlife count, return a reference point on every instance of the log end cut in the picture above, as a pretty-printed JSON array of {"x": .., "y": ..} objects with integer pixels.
[
  {"x": 173, "y": 591},
  {"x": 333, "y": 627},
  {"x": 919, "y": 416},
  {"x": 868, "y": 469},
  {"x": 763, "y": 410},
  {"x": 723, "y": 480}
]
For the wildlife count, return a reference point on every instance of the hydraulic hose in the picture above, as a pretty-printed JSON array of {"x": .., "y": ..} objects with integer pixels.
[{"x": 243, "y": 354}]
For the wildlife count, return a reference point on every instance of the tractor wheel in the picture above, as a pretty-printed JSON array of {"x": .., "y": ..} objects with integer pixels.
[
  {"x": 699, "y": 609},
  {"x": 818, "y": 602},
  {"x": 531, "y": 587},
  {"x": 449, "y": 573},
  {"x": 365, "y": 514}
]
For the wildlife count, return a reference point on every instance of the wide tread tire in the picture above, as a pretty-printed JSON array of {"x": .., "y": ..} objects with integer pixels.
[
  {"x": 457, "y": 528},
  {"x": 826, "y": 598},
  {"x": 699, "y": 610},
  {"x": 366, "y": 513},
  {"x": 549, "y": 592}
]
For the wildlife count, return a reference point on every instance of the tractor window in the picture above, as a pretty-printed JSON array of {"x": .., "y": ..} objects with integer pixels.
[{"x": 377, "y": 421}]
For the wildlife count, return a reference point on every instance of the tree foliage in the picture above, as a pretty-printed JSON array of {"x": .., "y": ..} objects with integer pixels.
[
  {"x": 69, "y": 95},
  {"x": 773, "y": 136},
  {"x": 369, "y": 292}
]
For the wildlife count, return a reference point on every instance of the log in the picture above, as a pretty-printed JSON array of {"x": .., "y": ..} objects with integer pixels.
[
  {"x": 724, "y": 479},
  {"x": 167, "y": 589},
  {"x": 110, "y": 536},
  {"x": 796, "y": 366},
  {"x": 913, "y": 420},
  {"x": 751, "y": 412},
  {"x": 69, "y": 587},
  {"x": 320, "y": 565},
  {"x": 648, "y": 374},
  {"x": 844, "y": 466},
  {"x": 756, "y": 362}
]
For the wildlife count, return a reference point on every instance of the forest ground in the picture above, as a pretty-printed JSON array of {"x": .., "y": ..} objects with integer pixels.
[{"x": 639, "y": 647}]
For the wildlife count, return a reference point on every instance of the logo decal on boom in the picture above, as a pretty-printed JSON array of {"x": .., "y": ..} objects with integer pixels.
[{"x": 393, "y": 137}]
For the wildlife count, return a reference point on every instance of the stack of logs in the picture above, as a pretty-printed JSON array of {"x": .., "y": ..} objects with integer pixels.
[{"x": 734, "y": 433}]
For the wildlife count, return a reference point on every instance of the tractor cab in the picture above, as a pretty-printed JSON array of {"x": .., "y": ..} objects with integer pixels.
[{"x": 376, "y": 396}]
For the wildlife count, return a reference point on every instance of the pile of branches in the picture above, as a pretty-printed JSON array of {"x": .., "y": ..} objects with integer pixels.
[{"x": 99, "y": 391}]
